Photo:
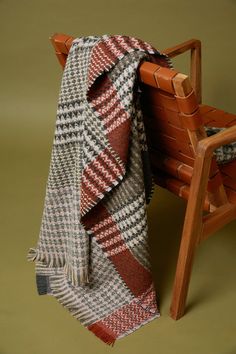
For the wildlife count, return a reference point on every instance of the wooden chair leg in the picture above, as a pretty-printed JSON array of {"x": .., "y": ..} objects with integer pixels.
[
  {"x": 189, "y": 241},
  {"x": 191, "y": 234}
]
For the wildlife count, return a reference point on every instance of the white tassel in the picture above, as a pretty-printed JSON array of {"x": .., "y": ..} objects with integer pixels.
[
  {"x": 72, "y": 274},
  {"x": 31, "y": 254}
]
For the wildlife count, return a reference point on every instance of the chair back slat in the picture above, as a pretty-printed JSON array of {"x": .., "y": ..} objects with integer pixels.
[
  {"x": 163, "y": 114},
  {"x": 161, "y": 99}
]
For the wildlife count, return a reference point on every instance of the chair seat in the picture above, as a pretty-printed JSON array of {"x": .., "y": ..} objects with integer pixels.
[
  {"x": 212, "y": 117},
  {"x": 215, "y": 117},
  {"x": 228, "y": 172}
]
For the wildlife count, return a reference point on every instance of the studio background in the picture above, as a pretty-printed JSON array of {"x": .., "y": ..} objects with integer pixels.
[{"x": 30, "y": 83}]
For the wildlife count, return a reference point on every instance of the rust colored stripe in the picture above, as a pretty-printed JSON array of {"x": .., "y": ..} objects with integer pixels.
[
  {"x": 103, "y": 332},
  {"x": 137, "y": 278},
  {"x": 121, "y": 133}
]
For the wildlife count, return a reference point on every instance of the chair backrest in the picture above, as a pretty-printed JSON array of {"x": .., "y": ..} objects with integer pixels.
[
  {"x": 172, "y": 113},
  {"x": 173, "y": 125}
]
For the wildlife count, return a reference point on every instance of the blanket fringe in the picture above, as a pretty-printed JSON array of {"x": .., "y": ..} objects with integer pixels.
[
  {"x": 72, "y": 274},
  {"x": 108, "y": 338},
  {"x": 54, "y": 261}
]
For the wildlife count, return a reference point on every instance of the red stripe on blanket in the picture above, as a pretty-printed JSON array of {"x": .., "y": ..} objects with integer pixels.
[
  {"x": 107, "y": 98},
  {"x": 104, "y": 55},
  {"x": 93, "y": 185},
  {"x": 116, "y": 120},
  {"x": 121, "y": 133},
  {"x": 137, "y": 277},
  {"x": 97, "y": 61},
  {"x": 101, "y": 223},
  {"x": 121, "y": 321},
  {"x": 103, "y": 332}
]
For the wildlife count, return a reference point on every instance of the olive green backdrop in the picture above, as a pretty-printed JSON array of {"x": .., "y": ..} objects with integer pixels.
[{"x": 30, "y": 82}]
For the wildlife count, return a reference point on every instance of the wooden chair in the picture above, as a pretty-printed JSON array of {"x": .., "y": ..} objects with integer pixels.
[{"x": 181, "y": 153}]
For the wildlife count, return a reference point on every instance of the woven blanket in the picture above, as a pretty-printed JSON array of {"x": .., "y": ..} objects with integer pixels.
[{"x": 92, "y": 253}]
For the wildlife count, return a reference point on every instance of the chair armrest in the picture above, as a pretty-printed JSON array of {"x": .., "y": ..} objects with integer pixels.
[
  {"x": 182, "y": 47},
  {"x": 195, "y": 68},
  {"x": 207, "y": 145}
]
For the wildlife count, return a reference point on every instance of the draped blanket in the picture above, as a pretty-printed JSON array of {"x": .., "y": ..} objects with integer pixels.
[{"x": 92, "y": 253}]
